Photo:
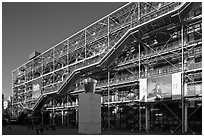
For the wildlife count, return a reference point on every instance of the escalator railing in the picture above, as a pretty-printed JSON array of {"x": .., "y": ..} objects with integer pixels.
[{"x": 108, "y": 55}]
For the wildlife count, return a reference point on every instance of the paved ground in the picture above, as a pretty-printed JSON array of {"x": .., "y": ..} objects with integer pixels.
[{"x": 23, "y": 130}]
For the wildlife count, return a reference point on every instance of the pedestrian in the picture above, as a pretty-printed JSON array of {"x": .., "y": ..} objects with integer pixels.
[
  {"x": 9, "y": 127},
  {"x": 32, "y": 124},
  {"x": 4, "y": 122},
  {"x": 28, "y": 123},
  {"x": 54, "y": 126},
  {"x": 37, "y": 130},
  {"x": 9, "y": 123},
  {"x": 41, "y": 129}
]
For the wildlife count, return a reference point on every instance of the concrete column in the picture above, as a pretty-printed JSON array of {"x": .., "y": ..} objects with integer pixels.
[
  {"x": 89, "y": 109},
  {"x": 89, "y": 113}
]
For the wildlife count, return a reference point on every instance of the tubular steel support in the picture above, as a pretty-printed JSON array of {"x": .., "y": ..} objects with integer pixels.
[
  {"x": 108, "y": 99},
  {"x": 184, "y": 118},
  {"x": 140, "y": 124},
  {"x": 76, "y": 112},
  {"x": 108, "y": 76},
  {"x": 62, "y": 117},
  {"x": 85, "y": 45},
  {"x": 53, "y": 119},
  {"x": 42, "y": 118}
]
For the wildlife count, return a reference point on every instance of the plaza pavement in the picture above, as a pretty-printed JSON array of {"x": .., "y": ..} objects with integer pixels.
[{"x": 23, "y": 130}]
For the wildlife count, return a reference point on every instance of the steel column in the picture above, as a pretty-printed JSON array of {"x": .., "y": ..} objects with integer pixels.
[
  {"x": 184, "y": 117},
  {"x": 140, "y": 124},
  {"x": 108, "y": 100}
]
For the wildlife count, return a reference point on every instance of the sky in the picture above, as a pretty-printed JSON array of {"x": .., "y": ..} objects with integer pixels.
[{"x": 28, "y": 27}]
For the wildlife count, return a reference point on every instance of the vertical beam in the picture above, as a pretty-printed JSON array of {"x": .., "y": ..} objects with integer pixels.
[
  {"x": 108, "y": 31},
  {"x": 53, "y": 120},
  {"x": 76, "y": 111},
  {"x": 67, "y": 115},
  {"x": 42, "y": 60},
  {"x": 182, "y": 50},
  {"x": 140, "y": 116},
  {"x": 138, "y": 10},
  {"x": 85, "y": 44},
  {"x": 147, "y": 118},
  {"x": 184, "y": 117},
  {"x": 108, "y": 76},
  {"x": 67, "y": 53},
  {"x": 42, "y": 117},
  {"x": 62, "y": 117},
  {"x": 131, "y": 18},
  {"x": 108, "y": 99},
  {"x": 12, "y": 85},
  {"x": 140, "y": 124},
  {"x": 53, "y": 63}
]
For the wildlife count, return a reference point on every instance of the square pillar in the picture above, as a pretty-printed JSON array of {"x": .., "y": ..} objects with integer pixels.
[{"x": 89, "y": 113}]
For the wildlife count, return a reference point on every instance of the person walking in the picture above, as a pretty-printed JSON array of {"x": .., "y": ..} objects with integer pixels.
[
  {"x": 28, "y": 123},
  {"x": 32, "y": 124},
  {"x": 53, "y": 126},
  {"x": 37, "y": 130},
  {"x": 9, "y": 123},
  {"x": 4, "y": 122},
  {"x": 41, "y": 129}
]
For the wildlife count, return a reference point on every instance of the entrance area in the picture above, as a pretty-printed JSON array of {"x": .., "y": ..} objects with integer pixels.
[{"x": 165, "y": 116}]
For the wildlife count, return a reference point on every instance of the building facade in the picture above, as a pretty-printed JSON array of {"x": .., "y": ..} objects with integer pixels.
[{"x": 146, "y": 58}]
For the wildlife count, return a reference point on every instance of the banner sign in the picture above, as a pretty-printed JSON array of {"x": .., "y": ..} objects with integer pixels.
[
  {"x": 159, "y": 87},
  {"x": 143, "y": 90},
  {"x": 198, "y": 89},
  {"x": 168, "y": 86},
  {"x": 176, "y": 86},
  {"x": 36, "y": 85},
  {"x": 193, "y": 89}
]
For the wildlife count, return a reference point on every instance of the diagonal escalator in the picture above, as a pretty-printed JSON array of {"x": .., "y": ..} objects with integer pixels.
[{"x": 111, "y": 53}]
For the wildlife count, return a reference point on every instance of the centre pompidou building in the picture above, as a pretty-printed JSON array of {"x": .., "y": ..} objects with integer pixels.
[{"x": 146, "y": 58}]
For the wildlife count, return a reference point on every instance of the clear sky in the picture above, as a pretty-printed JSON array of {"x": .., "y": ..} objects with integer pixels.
[{"x": 28, "y": 27}]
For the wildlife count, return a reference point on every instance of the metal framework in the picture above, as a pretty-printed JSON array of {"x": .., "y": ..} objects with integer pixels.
[{"x": 163, "y": 38}]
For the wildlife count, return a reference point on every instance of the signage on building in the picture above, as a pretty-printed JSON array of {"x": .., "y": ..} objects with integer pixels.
[
  {"x": 159, "y": 87},
  {"x": 176, "y": 85},
  {"x": 5, "y": 104},
  {"x": 193, "y": 89},
  {"x": 143, "y": 90},
  {"x": 37, "y": 84},
  {"x": 168, "y": 86}
]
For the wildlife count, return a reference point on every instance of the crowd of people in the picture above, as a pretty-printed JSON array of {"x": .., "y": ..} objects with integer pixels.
[{"x": 39, "y": 127}]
